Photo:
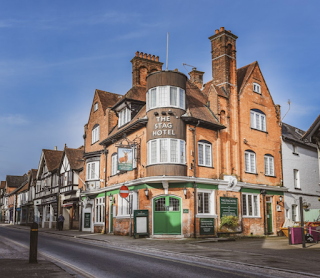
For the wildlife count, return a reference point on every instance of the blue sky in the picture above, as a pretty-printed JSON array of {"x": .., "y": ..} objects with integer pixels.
[{"x": 54, "y": 54}]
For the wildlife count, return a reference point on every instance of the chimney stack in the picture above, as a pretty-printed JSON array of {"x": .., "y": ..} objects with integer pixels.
[{"x": 196, "y": 77}]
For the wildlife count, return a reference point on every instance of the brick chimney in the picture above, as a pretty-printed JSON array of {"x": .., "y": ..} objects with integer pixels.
[
  {"x": 224, "y": 64},
  {"x": 196, "y": 77},
  {"x": 142, "y": 65}
]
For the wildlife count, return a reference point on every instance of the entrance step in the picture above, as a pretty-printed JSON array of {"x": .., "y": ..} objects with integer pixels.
[{"x": 168, "y": 237}]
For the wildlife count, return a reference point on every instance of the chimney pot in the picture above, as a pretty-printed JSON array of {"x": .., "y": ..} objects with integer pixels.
[
  {"x": 229, "y": 31},
  {"x": 137, "y": 53},
  {"x": 145, "y": 55},
  {"x": 217, "y": 31},
  {"x": 141, "y": 54},
  {"x": 153, "y": 56},
  {"x": 149, "y": 56},
  {"x": 55, "y": 148},
  {"x": 221, "y": 29},
  {"x": 157, "y": 59}
]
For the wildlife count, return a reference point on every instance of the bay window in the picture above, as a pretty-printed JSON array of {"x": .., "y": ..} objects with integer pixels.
[
  {"x": 93, "y": 170},
  {"x": 166, "y": 150},
  {"x": 166, "y": 96}
]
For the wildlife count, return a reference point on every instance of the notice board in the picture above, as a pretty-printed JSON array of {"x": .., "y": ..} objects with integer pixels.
[{"x": 228, "y": 206}]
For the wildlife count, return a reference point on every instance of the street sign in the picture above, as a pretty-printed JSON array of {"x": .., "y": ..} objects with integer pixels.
[{"x": 124, "y": 191}]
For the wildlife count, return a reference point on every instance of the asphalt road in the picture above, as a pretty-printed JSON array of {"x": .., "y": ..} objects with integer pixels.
[{"x": 92, "y": 259}]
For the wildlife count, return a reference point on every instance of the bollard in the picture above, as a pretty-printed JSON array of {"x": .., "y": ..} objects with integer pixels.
[{"x": 33, "y": 251}]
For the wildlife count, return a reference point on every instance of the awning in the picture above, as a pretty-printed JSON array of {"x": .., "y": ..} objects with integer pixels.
[{"x": 67, "y": 205}]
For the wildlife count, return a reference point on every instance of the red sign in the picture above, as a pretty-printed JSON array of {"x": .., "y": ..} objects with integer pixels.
[{"x": 124, "y": 191}]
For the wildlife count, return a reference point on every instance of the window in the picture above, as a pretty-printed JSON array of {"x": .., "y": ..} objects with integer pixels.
[
  {"x": 134, "y": 156},
  {"x": 124, "y": 116},
  {"x": 93, "y": 170},
  {"x": 114, "y": 164},
  {"x": 95, "y": 107},
  {"x": 258, "y": 120},
  {"x": 250, "y": 162},
  {"x": 99, "y": 210},
  {"x": 269, "y": 165},
  {"x": 294, "y": 149},
  {"x": 204, "y": 153},
  {"x": 294, "y": 210},
  {"x": 205, "y": 202},
  {"x": 166, "y": 96},
  {"x": 166, "y": 150},
  {"x": 296, "y": 178},
  {"x": 251, "y": 205},
  {"x": 123, "y": 204},
  {"x": 95, "y": 134},
  {"x": 257, "y": 88}
]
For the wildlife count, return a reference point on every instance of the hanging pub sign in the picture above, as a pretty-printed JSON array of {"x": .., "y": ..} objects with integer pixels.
[
  {"x": 228, "y": 206},
  {"x": 125, "y": 159}
]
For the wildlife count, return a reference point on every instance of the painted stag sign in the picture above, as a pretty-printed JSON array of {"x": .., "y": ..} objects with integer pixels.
[{"x": 125, "y": 159}]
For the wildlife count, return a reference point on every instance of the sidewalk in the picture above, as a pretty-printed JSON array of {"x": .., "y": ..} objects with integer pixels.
[{"x": 264, "y": 252}]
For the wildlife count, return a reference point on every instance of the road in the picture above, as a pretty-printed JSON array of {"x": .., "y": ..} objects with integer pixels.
[{"x": 96, "y": 259}]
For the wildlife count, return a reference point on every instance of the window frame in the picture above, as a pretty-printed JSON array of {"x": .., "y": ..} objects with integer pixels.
[
  {"x": 99, "y": 206},
  {"x": 114, "y": 164},
  {"x": 95, "y": 134},
  {"x": 161, "y": 96},
  {"x": 124, "y": 116},
  {"x": 123, "y": 210},
  {"x": 254, "y": 113},
  {"x": 256, "y": 87},
  {"x": 205, "y": 144},
  {"x": 96, "y": 175},
  {"x": 250, "y": 152},
  {"x": 267, "y": 168},
  {"x": 211, "y": 203},
  {"x": 245, "y": 202},
  {"x": 296, "y": 179},
  {"x": 95, "y": 107},
  {"x": 180, "y": 151}
]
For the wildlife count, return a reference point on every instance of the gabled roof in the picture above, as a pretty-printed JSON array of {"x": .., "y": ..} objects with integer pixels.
[
  {"x": 15, "y": 181},
  {"x": 209, "y": 86},
  {"x": 24, "y": 187},
  {"x": 243, "y": 74},
  {"x": 52, "y": 158},
  {"x": 75, "y": 158},
  {"x": 108, "y": 99},
  {"x": 295, "y": 134},
  {"x": 314, "y": 129},
  {"x": 136, "y": 93}
]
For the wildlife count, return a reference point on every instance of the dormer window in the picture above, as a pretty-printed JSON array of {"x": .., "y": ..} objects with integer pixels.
[
  {"x": 95, "y": 108},
  {"x": 124, "y": 116},
  {"x": 166, "y": 96},
  {"x": 257, "y": 88}
]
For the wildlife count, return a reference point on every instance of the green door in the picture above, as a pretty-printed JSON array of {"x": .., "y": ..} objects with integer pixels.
[
  {"x": 269, "y": 217},
  {"x": 111, "y": 218},
  {"x": 167, "y": 215}
]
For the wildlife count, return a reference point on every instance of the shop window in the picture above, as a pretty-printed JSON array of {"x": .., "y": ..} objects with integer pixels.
[
  {"x": 258, "y": 119},
  {"x": 251, "y": 205},
  {"x": 269, "y": 165},
  {"x": 166, "y": 150},
  {"x": 204, "y": 153},
  {"x": 250, "y": 162},
  {"x": 99, "y": 210},
  {"x": 166, "y": 96},
  {"x": 205, "y": 202},
  {"x": 124, "y": 205}
]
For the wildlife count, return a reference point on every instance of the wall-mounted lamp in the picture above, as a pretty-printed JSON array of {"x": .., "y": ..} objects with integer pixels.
[
  {"x": 146, "y": 192},
  {"x": 164, "y": 113},
  {"x": 185, "y": 192},
  {"x": 280, "y": 200},
  {"x": 245, "y": 140},
  {"x": 156, "y": 113},
  {"x": 110, "y": 198},
  {"x": 170, "y": 112}
]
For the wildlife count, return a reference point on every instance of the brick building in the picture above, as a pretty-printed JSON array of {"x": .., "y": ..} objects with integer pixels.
[{"x": 193, "y": 155}]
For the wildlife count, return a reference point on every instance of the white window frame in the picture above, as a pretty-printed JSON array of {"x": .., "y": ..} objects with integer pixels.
[
  {"x": 249, "y": 168},
  {"x": 95, "y": 108},
  {"x": 95, "y": 134},
  {"x": 161, "y": 97},
  {"x": 204, "y": 154},
  {"x": 160, "y": 142},
  {"x": 134, "y": 156},
  {"x": 124, "y": 116},
  {"x": 95, "y": 173},
  {"x": 114, "y": 164},
  {"x": 294, "y": 212},
  {"x": 123, "y": 205},
  {"x": 255, "y": 209},
  {"x": 269, "y": 165},
  {"x": 296, "y": 179},
  {"x": 262, "y": 120},
  {"x": 257, "y": 88},
  {"x": 211, "y": 205},
  {"x": 98, "y": 209}
]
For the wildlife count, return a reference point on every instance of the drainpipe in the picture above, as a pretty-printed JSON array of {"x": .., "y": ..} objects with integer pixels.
[
  {"x": 193, "y": 129},
  {"x": 105, "y": 188}
]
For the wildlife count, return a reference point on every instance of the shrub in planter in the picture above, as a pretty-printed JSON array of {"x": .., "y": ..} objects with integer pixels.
[{"x": 229, "y": 222}]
